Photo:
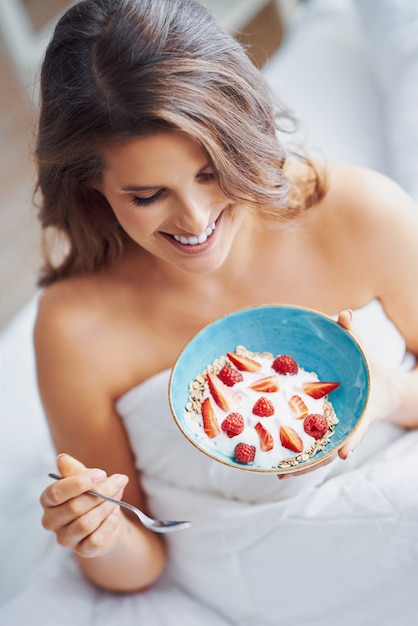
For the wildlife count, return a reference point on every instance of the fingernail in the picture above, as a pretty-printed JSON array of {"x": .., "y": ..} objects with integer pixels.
[
  {"x": 285, "y": 476},
  {"x": 349, "y": 453},
  {"x": 121, "y": 480},
  {"x": 97, "y": 475},
  {"x": 350, "y": 312}
]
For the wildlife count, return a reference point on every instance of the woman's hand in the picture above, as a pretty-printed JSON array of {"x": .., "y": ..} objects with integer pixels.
[
  {"x": 85, "y": 524},
  {"x": 345, "y": 320},
  {"x": 385, "y": 396}
]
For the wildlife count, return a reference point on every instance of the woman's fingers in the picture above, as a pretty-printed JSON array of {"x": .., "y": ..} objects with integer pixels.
[
  {"x": 355, "y": 439},
  {"x": 327, "y": 461},
  {"x": 77, "y": 479},
  {"x": 104, "y": 536},
  {"x": 82, "y": 522},
  {"x": 345, "y": 319},
  {"x": 67, "y": 499},
  {"x": 69, "y": 466},
  {"x": 89, "y": 534}
]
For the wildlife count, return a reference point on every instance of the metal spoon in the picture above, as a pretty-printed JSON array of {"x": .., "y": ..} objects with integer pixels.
[{"x": 158, "y": 526}]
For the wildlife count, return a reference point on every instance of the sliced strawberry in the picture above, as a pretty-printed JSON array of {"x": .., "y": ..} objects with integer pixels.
[
  {"x": 298, "y": 407},
  {"x": 226, "y": 398},
  {"x": 244, "y": 453},
  {"x": 315, "y": 425},
  {"x": 263, "y": 407},
  {"x": 285, "y": 364},
  {"x": 290, "y": 439},
  {"x": 318, "y": 389},
  {"x": 270, "y": 384},
  {"x": 210, "y": 423},
  {"x": 233, "y": 424},
  {"x": 230, "y": 376},
  {"x": 266, "y": 438},
  {"x": 243, "y": 363}
]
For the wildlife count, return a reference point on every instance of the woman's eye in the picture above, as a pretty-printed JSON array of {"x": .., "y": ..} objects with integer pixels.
[
  {"x": 138, "y": 201},
  {"x": 207, "y": 176}
]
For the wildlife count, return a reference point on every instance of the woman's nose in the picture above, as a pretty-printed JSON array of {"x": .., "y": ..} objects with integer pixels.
[{"x": 193, "y": 212}]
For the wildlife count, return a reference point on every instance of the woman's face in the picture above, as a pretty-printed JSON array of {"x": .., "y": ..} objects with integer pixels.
[{"x": 165, "y": 196}]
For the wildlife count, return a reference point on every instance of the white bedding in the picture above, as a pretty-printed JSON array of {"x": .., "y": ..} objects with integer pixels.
[
  {"x": 40, "y": 583},
  {"x": 328, "y": 524}
]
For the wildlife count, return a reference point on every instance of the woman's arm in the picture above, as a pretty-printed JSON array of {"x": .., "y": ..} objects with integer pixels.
[
  {"x": 385, "y": 225},
  {"x": 77, "y": 378},
  {"x": 113, "y": 552}
]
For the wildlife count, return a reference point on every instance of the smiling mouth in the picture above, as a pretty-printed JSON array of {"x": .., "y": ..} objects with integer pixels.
[{"x": 193, "y": 241}]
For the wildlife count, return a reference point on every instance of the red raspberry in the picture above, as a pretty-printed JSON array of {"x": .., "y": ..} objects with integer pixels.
[
  {"x": 263, "y": 407},
  {"x": 233, "y": 424},
  {"x": 244, "y": 453},
  {"x": 315, "y": 425},
  {"x": 229, "y": 376},
  {"x": 285, "y": 364}
]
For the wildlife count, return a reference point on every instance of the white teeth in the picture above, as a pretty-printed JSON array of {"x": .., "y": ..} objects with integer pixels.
[{"x": 192, "y": 241}]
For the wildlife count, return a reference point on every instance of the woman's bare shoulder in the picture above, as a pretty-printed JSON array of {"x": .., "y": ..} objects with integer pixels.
[
  {"x": 369, "y": 209},
  {"x": 378, "y": 233},
  {"x": 358, "y": 192},
  {"x": 78, "y": 327},
  {"x": 361, "y": 209},
  {"x": 68, "y": 311},
  {"x": 62, "y": 299}
]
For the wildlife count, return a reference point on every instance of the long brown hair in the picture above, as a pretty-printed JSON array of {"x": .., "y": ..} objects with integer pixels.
[{"x": 117, "y": 69}]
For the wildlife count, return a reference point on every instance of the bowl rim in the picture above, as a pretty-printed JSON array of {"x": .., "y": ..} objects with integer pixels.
[{"x": 315, "y": 460}]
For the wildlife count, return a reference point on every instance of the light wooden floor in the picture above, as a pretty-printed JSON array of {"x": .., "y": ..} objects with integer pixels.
[{"x": 20, "y": 256}]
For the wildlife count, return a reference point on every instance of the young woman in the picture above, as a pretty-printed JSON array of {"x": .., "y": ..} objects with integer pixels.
[{"x": 161, "y": 171}]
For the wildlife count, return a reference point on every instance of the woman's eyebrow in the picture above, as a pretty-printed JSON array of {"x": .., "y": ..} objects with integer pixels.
[
  {"x": 204, "y": 167},
  {"x": 137, "y": 188}
]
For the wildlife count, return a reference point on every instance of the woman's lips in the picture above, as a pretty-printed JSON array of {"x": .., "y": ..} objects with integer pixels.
[
  {"x": 192, "y": 241},
  {"x": 187, "y": 245}
]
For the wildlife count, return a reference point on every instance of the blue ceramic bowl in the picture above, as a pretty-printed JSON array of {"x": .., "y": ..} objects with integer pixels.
[{"x": 315, "y": 340}]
